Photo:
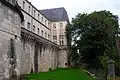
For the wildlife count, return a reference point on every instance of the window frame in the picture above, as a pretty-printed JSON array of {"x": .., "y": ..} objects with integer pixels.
[
  {"x": 54, "y": 26},
  {"x": 38, "y": 30},
  {"x": 33, "y": 28},
  {"x": 42, "y": 32},
  {"x": 23, "y": 5},
  {"x": 28, "y": 25},
  {"x": 29, "y": 9},
  {"x": 34, "y": 12},
  {"x": 61, "y": 25},
  {"x": 54, "y": 37}
]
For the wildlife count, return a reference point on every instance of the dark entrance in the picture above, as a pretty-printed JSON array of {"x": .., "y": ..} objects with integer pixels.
[{"x": 36, "y": 58}]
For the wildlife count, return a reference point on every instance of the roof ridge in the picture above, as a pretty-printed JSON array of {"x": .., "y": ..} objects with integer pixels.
[
  {"x": 53, "y": 8},
  {"x": 56, "y": 14}
]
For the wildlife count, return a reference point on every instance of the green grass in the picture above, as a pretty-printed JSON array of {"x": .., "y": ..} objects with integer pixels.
[{"x": 60, "y": 74}]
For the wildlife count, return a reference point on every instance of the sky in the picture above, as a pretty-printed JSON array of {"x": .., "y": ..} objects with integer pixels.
[{"x": 73, "y": 7}]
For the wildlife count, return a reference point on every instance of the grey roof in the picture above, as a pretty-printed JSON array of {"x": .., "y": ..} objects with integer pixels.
[{"x": 55, "y": 14}]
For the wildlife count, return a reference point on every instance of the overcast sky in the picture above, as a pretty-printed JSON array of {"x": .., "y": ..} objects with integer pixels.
[{"x": 73, "y": 7}]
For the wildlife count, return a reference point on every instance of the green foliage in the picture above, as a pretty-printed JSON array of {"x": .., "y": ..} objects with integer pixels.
[
  {"x": 94, "y": 36},
  {"x": 104, "y": 63}
]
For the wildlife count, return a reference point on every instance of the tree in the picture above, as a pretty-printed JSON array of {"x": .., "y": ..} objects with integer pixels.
[
  {"x": 68, "y": 36},
  {"x": 93, "y": 35}
]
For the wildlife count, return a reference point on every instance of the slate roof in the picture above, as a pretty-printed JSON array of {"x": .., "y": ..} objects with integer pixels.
[{"x": 55, "y": 14}]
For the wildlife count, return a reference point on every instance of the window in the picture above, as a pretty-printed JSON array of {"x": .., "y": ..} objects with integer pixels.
[
  {"x": 23, "y": 5},
  {"x": 42, "y": 19},
  {"x": 34, "y": 13},
  {"x": 38, "y": 16},
  {"x": 48, "y": 24},
  {"x": 54, "y": 37},
  {"x": 38, "y": 30},
  {"x": 61, "y": 36},
  {"x": 33, "y": 28},
  {"x": 23, "y": 23},
  {"x": 62, "y": 42},
  {"x": 42, "y": 32},
  {"x": 45, "y": 34},
  {"x": 29, "y": 9},
  {"x": 54, "y": 26},
  {"x": 61, "y": 25},
  {"x": 45, "y": 22},
  {"x": 28, "y": 25},
  {"x": 48, "y": 36}
]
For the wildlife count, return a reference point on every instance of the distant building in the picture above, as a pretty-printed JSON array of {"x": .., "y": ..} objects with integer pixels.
[
  {"x": 59, "y": 19},
  {"x": 48, "y": 23}
]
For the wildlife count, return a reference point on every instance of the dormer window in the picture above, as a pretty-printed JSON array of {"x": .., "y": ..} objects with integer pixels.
[
  {"x": 42, "y": 19},
  {"x": 48, "y": 24},
  {"x": 38, "y": 16},
  {"x": 34, "y": 13},
  {"x": 38, "y": 30},
  {"x": 61, "y": 25},
  {"x": 29, "y": 9},
  {"x": 45, "y": 22},
  {"x": 54, "y": 26},
  {"x": 23, "y": 5}
]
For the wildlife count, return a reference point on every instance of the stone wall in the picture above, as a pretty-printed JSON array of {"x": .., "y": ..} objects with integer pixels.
[
  {"x": 9, "y": 34},
  {"x": 38, "y": 54},
  {"x": 63, "y": 57}
]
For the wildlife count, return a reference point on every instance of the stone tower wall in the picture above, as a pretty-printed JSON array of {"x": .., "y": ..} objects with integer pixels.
[{"x": 9, "y": 31}]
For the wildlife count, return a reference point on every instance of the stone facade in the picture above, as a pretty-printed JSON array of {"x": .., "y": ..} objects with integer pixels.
[
  {"x": 39, "y": 54},
  {"x": 23, "y": 51},
  {"x": 10, "y": 43}
]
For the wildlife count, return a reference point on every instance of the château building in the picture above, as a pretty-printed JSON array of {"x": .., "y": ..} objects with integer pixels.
[
  {"x": 31, "y": 40},
  {"x": 48, "y": 23}
]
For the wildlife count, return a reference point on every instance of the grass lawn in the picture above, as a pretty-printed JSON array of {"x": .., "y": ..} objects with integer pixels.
[{"x": 60, "y": 74}]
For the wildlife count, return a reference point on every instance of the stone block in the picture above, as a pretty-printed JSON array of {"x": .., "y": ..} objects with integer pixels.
[
  {"x": 1, "y": 11},
  {"x": 0, "y": 4},
  {"x": 1, "y": 17},
  {"x": 6, "y": 24},
  {"x": 2, "y": 77}
]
